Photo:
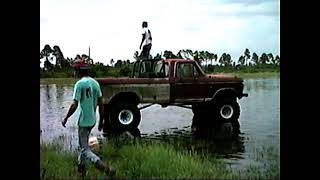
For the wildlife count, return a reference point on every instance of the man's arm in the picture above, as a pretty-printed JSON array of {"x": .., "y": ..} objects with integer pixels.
[
  {"x": 101, "y": 113},
  {"x": 143, "y": 38},
  {"x": 72, "y": 109}
]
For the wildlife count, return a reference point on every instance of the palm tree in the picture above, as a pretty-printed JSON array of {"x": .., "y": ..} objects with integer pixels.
[
  {"x": 179, "y": 55},
  {"x": 255, "y": 58},
  {"x": 136, "y": 56},
  {"x": 69, "y": 60},
  {"x": 45, "y": 52},
  {"x": 196, "y": 57},
  {"x": 189, "y": 54},
  {"x": 168, "y": 54},
  {"x": 118, "y": 63},
  {"x": 246, "y": 55},
  {"x": 201, "y": 57},
  {"x": 215, "y": 57},
  {"x": 222, "y": 59},
  {"x": 158, "y": 56},
  {"x": 277, "y": 60},
  {"x": 271, "y": 58},
  {"x": 241, "y": 60},
  {"x": 264, "y": 58},
  {"x": 207, "y": 57},
  {"x": 228, "y": 60},
  {"x": 60, "y": 60},
  {"x": 211, "y": 57},
  {"x": 111, "y": 62}
]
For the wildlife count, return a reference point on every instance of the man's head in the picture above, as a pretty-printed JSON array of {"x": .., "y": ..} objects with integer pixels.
[
  {"x": 81, "y": 68},
  {"x": 144, "y": 24}
]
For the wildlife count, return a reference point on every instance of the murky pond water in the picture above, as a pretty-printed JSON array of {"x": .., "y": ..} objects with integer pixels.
[{"x": 259, "y": 123}]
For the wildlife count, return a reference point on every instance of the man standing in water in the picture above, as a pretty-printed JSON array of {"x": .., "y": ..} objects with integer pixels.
[
  {"x": 87, "y": 93},
  {"x": 146, "y": 41}
]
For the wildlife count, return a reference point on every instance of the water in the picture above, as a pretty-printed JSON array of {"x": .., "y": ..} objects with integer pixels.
[{"x": 259, "y": 123}]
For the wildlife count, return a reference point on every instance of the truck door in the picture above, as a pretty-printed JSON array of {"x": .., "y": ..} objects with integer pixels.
[{"x": 187, "y": 87}]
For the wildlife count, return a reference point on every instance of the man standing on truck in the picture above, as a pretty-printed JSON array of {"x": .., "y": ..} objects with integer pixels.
[
  {"x": 146, "y": 41},
  {"x": 88, "y": 94}
]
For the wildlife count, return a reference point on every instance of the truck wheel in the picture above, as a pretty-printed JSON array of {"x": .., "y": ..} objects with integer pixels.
[
  {"x": 227, "y": 110},
  {"x": 125, "y": 116}
]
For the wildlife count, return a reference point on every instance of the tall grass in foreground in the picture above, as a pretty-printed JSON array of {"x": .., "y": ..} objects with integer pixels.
[{"x": 144, "y": 160}]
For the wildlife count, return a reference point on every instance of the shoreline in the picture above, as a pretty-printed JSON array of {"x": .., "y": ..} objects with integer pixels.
[{"x": 241, "y": 75}]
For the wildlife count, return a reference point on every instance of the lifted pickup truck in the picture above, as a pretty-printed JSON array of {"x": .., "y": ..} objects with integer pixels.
[{"x": 168, "y": 82}]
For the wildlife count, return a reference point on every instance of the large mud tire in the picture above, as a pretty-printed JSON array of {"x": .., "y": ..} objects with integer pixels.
[
  {"x": 124, "y": 116},
  {"x": 226, "y": 110},
  {"x": 215, "y": 114}
]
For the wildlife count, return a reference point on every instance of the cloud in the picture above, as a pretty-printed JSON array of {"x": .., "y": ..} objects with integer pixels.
[{"x": 113, "y": 28}]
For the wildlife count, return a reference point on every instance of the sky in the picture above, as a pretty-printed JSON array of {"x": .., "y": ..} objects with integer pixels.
[{"x": 112, "y": 28}]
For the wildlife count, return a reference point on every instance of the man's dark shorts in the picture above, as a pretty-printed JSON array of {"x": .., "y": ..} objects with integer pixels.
[{"x": 145, "y": 51}]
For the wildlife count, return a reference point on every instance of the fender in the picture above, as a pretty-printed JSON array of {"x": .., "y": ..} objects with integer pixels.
[
  {"x": 125, "y": 96},
  {"x": 226, "y": 91}
]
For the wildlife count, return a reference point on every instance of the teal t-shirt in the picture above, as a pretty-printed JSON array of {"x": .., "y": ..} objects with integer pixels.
[{"x": 86, "y": 92}]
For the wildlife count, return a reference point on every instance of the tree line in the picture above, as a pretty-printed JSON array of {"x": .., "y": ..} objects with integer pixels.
[
  {"x": 208, "y": 60},
  {"x": 205, "y": 57}
]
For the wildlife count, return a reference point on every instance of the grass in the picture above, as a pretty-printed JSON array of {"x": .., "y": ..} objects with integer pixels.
[{"x": 147, "y": 160}]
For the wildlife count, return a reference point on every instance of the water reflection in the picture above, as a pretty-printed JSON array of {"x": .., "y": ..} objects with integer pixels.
[
  {"x": 261, "y": 84},
  {"x": 202, "y": 141}
]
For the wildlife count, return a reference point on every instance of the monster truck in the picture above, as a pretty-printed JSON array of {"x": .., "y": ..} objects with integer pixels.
[{"x": 170, "y": 82}]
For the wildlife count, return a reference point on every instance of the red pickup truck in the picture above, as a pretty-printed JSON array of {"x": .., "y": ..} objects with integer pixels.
[{"x": 168, "y": 82}]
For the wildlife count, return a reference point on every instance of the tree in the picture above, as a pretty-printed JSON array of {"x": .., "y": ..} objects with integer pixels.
[
  {"x": 207, "y": 57},
  {"x": 211, "y": 57},
  {"x": 168, "y": 54},
  {"x": 45, "y": 52},
  {"x": 246, "y": 55},
  {"x": 158, "y": 56},
  {"x": 189, "y": 54},
  {"x": 111, "y": 62},
  {"x": 179, "y": 55},
  {"x": 196, "y": 57},
  {"x": 202, "y": 57},
  {"x": 263, "y": 58},
  {"x": 241, "y": 60},
  {"x": 60, "y": 60},
  {"x": 118, "y": 64},
  {"x": 215, "y": 57},
  {"x": 222, "y": 59},
  {"x": 255, "y": 58},
  {"x": 277, "y": 60},
  {"x": 228, "y": 60},
  {"x": 69, "y": 60},
  {"x": 271, "y": 58},
  {"x": 136, "y": 56},
  {"x": 183, "y": 53}
]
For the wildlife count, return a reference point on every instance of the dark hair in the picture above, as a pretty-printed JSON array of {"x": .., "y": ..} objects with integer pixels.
[
  {"x": 144, "y": 24},
  {"x": 81, "y": 71}
]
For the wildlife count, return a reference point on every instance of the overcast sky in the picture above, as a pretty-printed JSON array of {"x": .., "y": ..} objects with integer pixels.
[{"x": 112, "y": 28}]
